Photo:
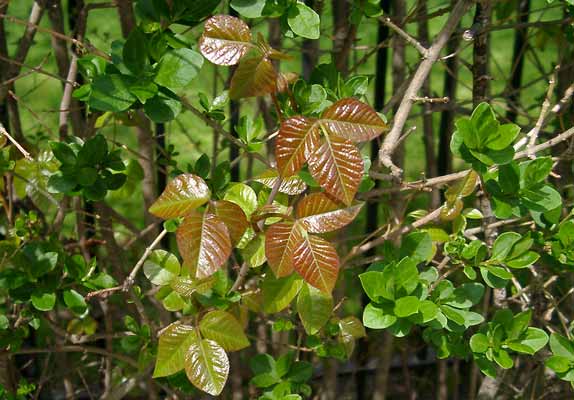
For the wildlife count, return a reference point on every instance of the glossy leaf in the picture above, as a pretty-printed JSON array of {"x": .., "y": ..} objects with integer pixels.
[
  {"x": 183, "y": 194},
  {"x": 314, "y": 308},
  {"x": 161, "y": 267},
  {"x": 279, "y": 292},
  {"x": 207, "y": 366},
  {"x": 177, "y": 68},
  {"x": 233, "y": 217},
  {"x": 242, "y": 195},
  {"x": 280, "y": 241},
  {"x": 353, "y": 120},
  {"x": 317, "y": 262},
  {"x": 291, "y": 185},
  {"x": 174, "y": 342},
  {"x": 338, "y": 167},
  {"x": 463, "y": 187},
  {"x": 298, "y": 138},
  {"x": 204, "y": 243},
  {"x": 255, "y": 76},
  {"x": 320, "y": 214},
  {"x": 186, "y": 287},
  {"x": 225, "y": 40},
  {"x": 303, "y": 21},
  {"x": 225, "y": 329}
]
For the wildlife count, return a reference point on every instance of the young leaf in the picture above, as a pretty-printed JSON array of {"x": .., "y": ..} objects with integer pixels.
[
  {"x": 280, "y": 241},
  {"x": 204, "y": 243},
  {"x": 503, "y": 245},
  {"x": 173, "y": 344},
  {"x": 225, "y": 40},
  {"x": 353, "y": 120},
  {"x": 255, "y": 76},
  {"x": 183, "y": 194},
  {"x": 406, "y": 306},
  {"x": 233, "y": 217},
  {"x": 378, "y": 317},
  {"x": 314, "y": 308},
  {"x": 338, "y": 167},
  {"x": 279, "y": 292},
  {"x": 186, "y": 287},
  {"x": 292, "y": 185},
  {"x": 320, "y": 214},
  {"x": 222, "y": 327},
  {"x": 298, "y": 138},
  {"x": 207, "y": 366},
  {"x": 317, "y": 262},
  {"x": 161, "y": 267},
  {"x": 561, "y": 346}
]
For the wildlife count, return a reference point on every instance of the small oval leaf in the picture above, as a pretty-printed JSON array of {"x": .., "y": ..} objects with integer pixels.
[
  {"x": 225, "y": 40},
  {"x": 183, "y": 194}
]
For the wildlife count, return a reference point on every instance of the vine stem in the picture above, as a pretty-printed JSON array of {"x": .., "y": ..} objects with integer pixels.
[{"x": 245, "y": 266}]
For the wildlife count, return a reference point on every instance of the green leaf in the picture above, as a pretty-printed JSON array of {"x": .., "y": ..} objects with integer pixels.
[
  {"x": 314, "y": 308},
  {"x": 162, "y": 108},
  {"x": 63, "y": 152},
  {"x": 303, "y": 21},
  {"x": 75, "y": 302},
  {"x": 378, "y": 317},
  {"x": 378, "y": 285},
  {"x": 242, "y": 195},
  {"x": 486, "y": 366},
  {"x": 173, "y": 302},
  {"x": 161, "y": 267},
  {"x": 417, "y": 246},
  {"x": 406, "y": 275},
  {"x": 111, "y": 93},
  {"x": 43, "y": 301},
  {"x": 406, "y": 306},
  {"x": 207, "y": 366},
  {"x": 248, "y": 8},
  {"x": 524, "y": 260},
  {"x": 225, "y": 329},
  {"x": 278, "y": 293},
  {"x": 561, "y": 346},
  {"x": 135, "y": 51},
  {"x": 428, "y": 310},
  {"x": 503, "y": 359},
  {"x": 503, "y": 245},
  {"x": 504, "y": 137},
  {"x": 479, "y": 343},
  {"x": 543, "y": 198},
  {"x": 558, "y": 364},
  {"x": 531, "y": 341},
  {"x": 177, "y": 68},
  {"x": 535, "y": 171},
  {"x": 455, "y": 315},
  {"x": 174, "y": 342}
]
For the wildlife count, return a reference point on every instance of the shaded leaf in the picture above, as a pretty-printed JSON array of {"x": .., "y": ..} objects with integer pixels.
[
  {"x": 353, "y": 120},
  {"x": 204, "y": 243},
  {"x": 174, "y": 342},
  {"x": 291, "y": 185},
  {"x": 338, "y": 167},
  {"x": 177, "y": 68},
  {"x": 298, "y": 138},
  {"x": 320, "y": 214},
  {"x": 317, "y": 262},
  {"x": 225, "y": 40},
  {"x": 314, "y": 308},
  {"x": 279, "y": 292},
  {"x": 161, "y": 267},
  {"x": 183, "y": 194},
  {"x": 207, "y": 366},
  {"x": 303, "y": 21},
  {"x": 255, "y": 76},
  {"x": 186, "y": 287},
  {"x": 233, "y": 217},
  {"x": 224, "y": 328}
]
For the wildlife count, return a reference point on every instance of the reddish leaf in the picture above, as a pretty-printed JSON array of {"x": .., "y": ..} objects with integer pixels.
[
  {"x": 353, "y": 120},
  {"x": 255, "y": 76},
  {"x": 225, "y": 40},
  {"x": 320, "y": 214},
  {"x": 280, "y": 241},
  {"x": 204, "y": 243},
  {"x": 451, "y": 210},
  {"x": 462, "y": 188},
  {"x": 338, "y": 167},
  {"x": 183, "y": 194},
  {"x": 317, "y": 262},
  {"x": 274, "y": 210},
  {"x": 298, "y": 138},
  {"x": 233, "y": 217},
  {"x": 291, "y": 185}
]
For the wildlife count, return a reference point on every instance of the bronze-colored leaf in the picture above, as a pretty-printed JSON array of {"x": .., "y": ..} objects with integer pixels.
[
  {"x": 272, "y": 211},
  {"x": 316, "y": 261},
  {"x": 291, "y": 185},
  {"x": 225, "y": 40},
  {"x": 285, "y": 79},
  {"x": 354, "y": 120},
  {"x": 280, "y": 241},
  {"x": 207, "y": 366},
  {"x": 298, "y": 138},
  {"x": 320, "y": 214},
  {"x": 255, "y": 76},
  {"x": 233, "y": 217},
  {"x": 204, "y": 243},
  {"x": 183, "y": 194},
  {"x": 463, "y": 187},
  {"x": 451, "y": 210},
  {"x": 338, "y": 167}
]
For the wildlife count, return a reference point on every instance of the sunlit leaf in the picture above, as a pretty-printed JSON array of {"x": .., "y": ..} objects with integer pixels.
[
  {"x": 338, "y": 167},
  {"x": 279, "y": 292},
  {"x": 222, "y": 327},
  {"x": 255, "y": 76},
  {"x": 291, "y": 185},
  {"x": 280, "y": 241},
  {"x": 225, "y": 40},
  {"x": 298, "y": 138},
  {"x": 463, "y": 187},
  {"x": 204, "y": 243},
  {"x": 183, "y": 194},
  {"x": 161, "y": 267},
  {"x": 173, "y": 344},
  {"x": 233, "y": 217},
  {"x": 314, "y": 308},
  {"x": 351, "y": 329},
  {"x": 353, "y": 120},
  {"x": 317, "y": 262},
  {"x": 186, "y": 287},
  {"x": 207, "y": 366},
  {"x": 320, "y": 214}
]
